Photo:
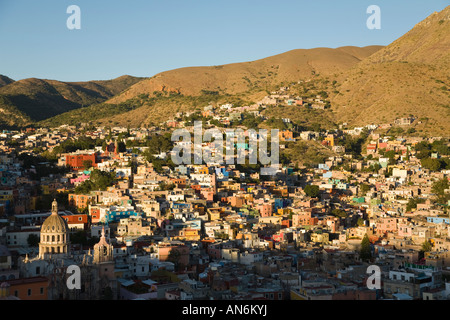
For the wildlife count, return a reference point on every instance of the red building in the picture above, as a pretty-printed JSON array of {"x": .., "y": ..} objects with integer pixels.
[
  {"x": 94, "y": 212},
  {"x": 76, "y": 220},
  {"x": 78, "y": 161}
]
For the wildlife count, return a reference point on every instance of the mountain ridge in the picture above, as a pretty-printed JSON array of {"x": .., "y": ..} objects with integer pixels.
[
  {"x": 38, "y": 99},
  {"x": 239, "y": 77}
]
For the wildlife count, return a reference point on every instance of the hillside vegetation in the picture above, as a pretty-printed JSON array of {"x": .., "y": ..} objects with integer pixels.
[
  {"x": 411, "y": 76},
  {"x": 31, "y": 100},
  {"x": 264, "y": 74}
]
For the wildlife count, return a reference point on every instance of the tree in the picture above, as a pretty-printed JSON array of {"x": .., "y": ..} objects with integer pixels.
[
  {"x": 438, "y": 188},
  {"x": 441, "y": 147},
  {"x": 121, "y": 147},
  {"x": 33, "y": 240},
  {"x": 87, "y": 164},
  {"x": 311, "y": 190},
  {"x": 421, "y": 146},
  {"x": 364, "y": 188},
  {"x": 339, "y": 213},
  {"x": 412, "y": 203},
  {"x": 157, "y": 144},
  {"x": 98, "y": 180},
  {"x": 426, "y": 246},
  {"x": 431, "y": 164},
  {"x": 391, "y": 155},
  {"x": 361, "y": 222},
  {"x": 174, "y": 257},
  {"x": 365, "y": 252}
]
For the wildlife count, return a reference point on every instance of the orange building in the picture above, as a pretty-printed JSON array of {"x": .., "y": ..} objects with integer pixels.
[
  {"x": 203, "y": 170},
  {"x": 80, "y": 201},
  {"x": 34, "y": 288},
  {"x": 179, "y": 183},
  {"x": 304, "y": 218},
  {"x": 236, "y": 202},
  {"x": 286, "y": 135}
]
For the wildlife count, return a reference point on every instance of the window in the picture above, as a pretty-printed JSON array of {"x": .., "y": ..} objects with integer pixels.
[
  {"x": 29, "y": 292},
  {"x": 41, "y": 290}
]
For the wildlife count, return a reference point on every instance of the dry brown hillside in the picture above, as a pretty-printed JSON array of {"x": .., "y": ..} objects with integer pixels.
[
  {"x": 260, "y": 74},
  {"x": 411, "y": 76}
]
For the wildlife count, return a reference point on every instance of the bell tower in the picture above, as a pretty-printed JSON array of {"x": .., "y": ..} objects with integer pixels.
[
  {"x": 54, "y": 207},
  {"x": 103, "y": 251}
]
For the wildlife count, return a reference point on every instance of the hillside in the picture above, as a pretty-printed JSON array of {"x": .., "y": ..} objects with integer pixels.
[
  {"x": 411, "y": 76},
  {"x": 257, "y": 75},
  {"x": 4, "y": 80},
  {"x": 37, "y": 99}
]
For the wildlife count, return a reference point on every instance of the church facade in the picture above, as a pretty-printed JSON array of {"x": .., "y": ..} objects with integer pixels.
[{"x": 55, "y": 256}]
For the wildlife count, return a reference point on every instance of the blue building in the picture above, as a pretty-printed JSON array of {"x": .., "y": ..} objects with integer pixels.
[
  {"x": 438, "y": 220},
  {"x": 280, "y": 203},
  {"x": 116, "y": 215}
]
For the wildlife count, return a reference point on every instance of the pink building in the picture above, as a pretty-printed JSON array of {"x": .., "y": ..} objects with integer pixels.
[
  {"x": 304, "y": 218},
  {"x": 404, "y": 230},
  {"x": 265, "y": 209},
  {"x": 79, "y": 179},
  {"x": 207, "y": 194},
  {"x": 386, "y": 225}
]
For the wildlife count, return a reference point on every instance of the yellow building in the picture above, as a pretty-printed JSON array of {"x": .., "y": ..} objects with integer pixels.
[
  {"x": 320, "y": 237},
  {"x": 214, "y": 213},
  {"x": 188, "y": 235}
]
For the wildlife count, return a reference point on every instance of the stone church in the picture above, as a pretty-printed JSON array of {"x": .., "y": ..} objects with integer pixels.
[{"x": 55, "y": 256}]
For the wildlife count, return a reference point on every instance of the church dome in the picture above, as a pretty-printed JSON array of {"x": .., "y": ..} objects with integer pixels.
[
  {"x": 54, "y": 223},
  {"x": 54, "y": 234}
]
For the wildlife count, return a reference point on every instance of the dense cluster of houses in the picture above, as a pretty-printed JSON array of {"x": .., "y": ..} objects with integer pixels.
[{"x": 202, "y": 231}]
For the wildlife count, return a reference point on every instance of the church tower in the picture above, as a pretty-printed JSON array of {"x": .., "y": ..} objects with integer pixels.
[
  {"x": 103, "y": 251},
  {"x": 103, "y": 259}
]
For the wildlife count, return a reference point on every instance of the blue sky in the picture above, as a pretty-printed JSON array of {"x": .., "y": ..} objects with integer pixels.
[{"x": 144, "y": 37}]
